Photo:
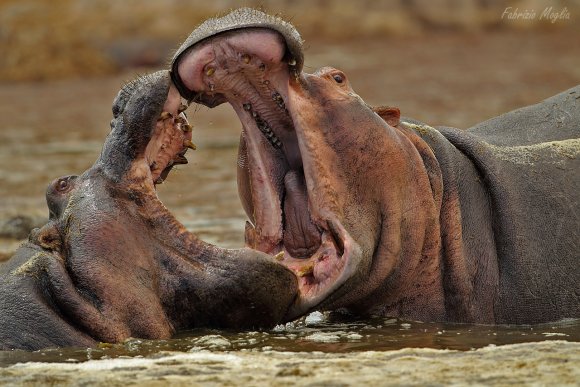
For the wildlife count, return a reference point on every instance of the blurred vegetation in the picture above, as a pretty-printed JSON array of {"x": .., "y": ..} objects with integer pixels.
[{"x": 48, "y": 39}]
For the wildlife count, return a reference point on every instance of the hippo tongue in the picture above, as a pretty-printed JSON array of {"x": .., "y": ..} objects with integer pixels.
[{"x": 301, "y": 237}]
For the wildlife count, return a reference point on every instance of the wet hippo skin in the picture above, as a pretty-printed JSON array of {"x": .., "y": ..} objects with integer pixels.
[
  {"x": 381, "y": 215},
  {"x": 113, "y": 262}
]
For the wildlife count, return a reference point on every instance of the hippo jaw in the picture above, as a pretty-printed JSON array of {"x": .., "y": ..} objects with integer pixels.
[
  {"x": 149, "y": 146},
  {"x": 295, "y": 213}
]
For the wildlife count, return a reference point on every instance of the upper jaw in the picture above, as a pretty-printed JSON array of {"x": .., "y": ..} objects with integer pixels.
[{"x": 237, "y": 20}]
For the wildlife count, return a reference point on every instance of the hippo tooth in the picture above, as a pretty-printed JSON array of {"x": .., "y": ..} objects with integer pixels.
[
  {"x": 247, "y": 106},
  {"x": 211, "y": 87},
  {"x": 246, "y": 58},
  {"x": 165, "y": 115},
  {"x": 266, "y": 82},
  {"x": 210, "y": 71},
  {"x": 292, "y": 62},
  {"x": 182, "y": 108},
  {"x": 159, "y": 180},
  {"x": 186, "y": 128},
  {"x": 189, "y": 144},
  {"x": 279, "y": 256},
  {"x": 305, "y": 270}
]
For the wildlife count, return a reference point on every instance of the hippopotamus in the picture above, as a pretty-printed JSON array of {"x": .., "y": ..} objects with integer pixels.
[
  {"x": 381, "y": 215},
  {"x": 112, "y": 262}
]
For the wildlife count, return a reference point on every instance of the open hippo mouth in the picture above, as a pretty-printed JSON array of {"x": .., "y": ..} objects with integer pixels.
[
  {"x": 257, "y": 71},
  {"x": 169, "y": 140}
]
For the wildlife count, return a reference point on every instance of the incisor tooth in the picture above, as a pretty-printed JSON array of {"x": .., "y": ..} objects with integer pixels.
[
  {"x": 186, "y": 128},
  {"x": 210, "y": 71},
  {"x": 189, "y": 144},
  {"x": 305, "y": 270},
  {"x": 279, "y": 256},
  {"x": 165, "y": 115},
  {"x": 182, "y": 108}
]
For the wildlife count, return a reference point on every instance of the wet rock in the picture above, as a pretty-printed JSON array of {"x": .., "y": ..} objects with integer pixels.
[
  {"x": 19, "y": 226},
  {"x": 314, "y": 318},
  {"x": 213, "y": 342},
  {"x": 324, "y": 337}
]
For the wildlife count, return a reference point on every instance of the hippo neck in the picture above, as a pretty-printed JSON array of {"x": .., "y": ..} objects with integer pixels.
[
  {"x": 469, "y": 258},
  {"x": 162, "y": 224}
]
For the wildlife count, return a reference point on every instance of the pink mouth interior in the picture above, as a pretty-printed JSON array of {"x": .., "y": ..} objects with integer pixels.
[
  {"x": 170, "y": 139},
  {"x": 250, "y": 70}
]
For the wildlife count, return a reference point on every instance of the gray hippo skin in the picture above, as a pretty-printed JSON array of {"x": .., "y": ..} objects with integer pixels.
[
  {"x": 380, "y": 215},
  {"x": 113, "y": 263}
]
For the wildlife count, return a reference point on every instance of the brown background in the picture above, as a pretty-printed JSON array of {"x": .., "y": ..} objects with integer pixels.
[{"x": 444, "y": 62}]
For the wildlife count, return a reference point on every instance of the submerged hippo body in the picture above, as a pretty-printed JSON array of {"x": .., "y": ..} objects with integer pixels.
[
  {"x": 387, "y": 216},
  {"x": 113, "y": 263}
]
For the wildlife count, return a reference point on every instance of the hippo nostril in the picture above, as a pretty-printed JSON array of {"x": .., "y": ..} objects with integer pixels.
[{"x": 62, "y": 185}]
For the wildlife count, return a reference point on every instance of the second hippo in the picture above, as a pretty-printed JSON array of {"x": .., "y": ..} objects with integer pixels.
[{"x": 113, "y": 262}]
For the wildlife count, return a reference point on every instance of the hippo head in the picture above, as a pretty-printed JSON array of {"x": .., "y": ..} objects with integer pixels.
[
  {"x": 322, "y": 176},
  {"x": 127, "y": 266}
]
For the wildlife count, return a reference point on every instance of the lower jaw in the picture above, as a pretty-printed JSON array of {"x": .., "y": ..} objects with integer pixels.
[{"x": 322, "y": 275}]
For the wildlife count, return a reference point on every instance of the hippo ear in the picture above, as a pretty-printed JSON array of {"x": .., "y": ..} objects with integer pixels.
[
  {"x": 46, "y": 237},
  {"x": 391, "y": 115}
]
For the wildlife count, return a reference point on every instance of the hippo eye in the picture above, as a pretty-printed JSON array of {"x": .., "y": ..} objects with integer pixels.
[
  {"x": 338, "y": 78},
  {"x": 62, "y": 185}
]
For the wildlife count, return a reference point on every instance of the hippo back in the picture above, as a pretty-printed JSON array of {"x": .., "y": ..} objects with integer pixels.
[
  {"x": 554, "y": 119},
  {"x": 529, "y": 160}
]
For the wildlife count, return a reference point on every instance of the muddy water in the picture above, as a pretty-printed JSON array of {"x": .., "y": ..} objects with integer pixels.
[{"x": 57, "y": 128}]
